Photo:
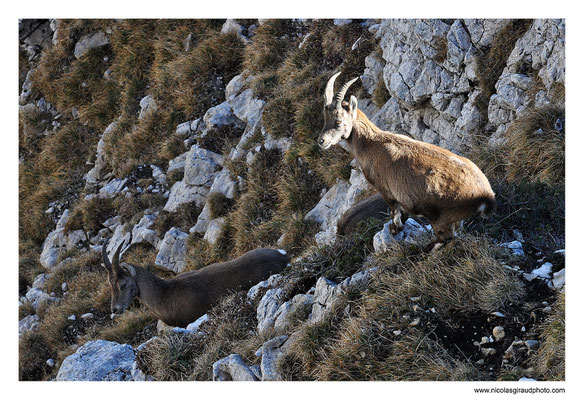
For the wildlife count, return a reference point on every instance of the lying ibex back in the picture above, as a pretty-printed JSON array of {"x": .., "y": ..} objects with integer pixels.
[
  {"x": 184, "y": 298},
  {"x": 372, "y": 207},
  {"x": 412, "y": 176}
]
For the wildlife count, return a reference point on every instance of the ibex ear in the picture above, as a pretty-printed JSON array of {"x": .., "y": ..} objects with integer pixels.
[
  {"x": 128, "y": 269},
  {"x": 353, "y": 107}
]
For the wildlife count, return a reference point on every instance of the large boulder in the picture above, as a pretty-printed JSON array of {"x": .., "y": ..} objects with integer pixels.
[
  {"x": 201, "y": 167},
  {"x": 55, "y": 243},
  {"x": 232, "y": 368},
  {"x": 338, "y": 199},
  {"x": 410, "y": 232},
  {"x": 99, "y": 360},
  {"x": 173, "y": 251},
  {"x": 430, "y": 72},
  {"x": 142, "y": 232}
]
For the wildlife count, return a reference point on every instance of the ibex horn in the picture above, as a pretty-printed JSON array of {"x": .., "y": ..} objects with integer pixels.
[
  {"x": 330, "y": 88},
  {"x": 106, "y": 261},
  {"x": 341, "y": 93},
  {"x": 116, "y": 259}
]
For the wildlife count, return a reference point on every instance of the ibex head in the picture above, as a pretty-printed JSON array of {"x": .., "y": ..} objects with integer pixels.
[
  {"x": 122, "y": 279},
  {"x": 338, "y": 115}
]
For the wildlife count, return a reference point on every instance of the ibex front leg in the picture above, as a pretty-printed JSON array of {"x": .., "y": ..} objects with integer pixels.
[{"x": 398, "y": 217}]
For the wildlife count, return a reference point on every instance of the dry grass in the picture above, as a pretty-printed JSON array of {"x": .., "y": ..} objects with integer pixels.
[
  {"x": 90, "y": 214},
  {"x": 183, "y": 218},
  {"x": 197, "y": 79},
  {"x": 537, "y": 147},
  {"x": 231, "y": 329},
  {"x": 219, "y": 204},
  {"x": 253, "y": 213},
  {"x": 550, "y": 360},
  {"x": 356, "y": 340}
]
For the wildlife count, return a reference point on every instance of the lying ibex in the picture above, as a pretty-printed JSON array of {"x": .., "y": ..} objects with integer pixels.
[
  {"x": 372, "y": 207},
  {"x": 412, "y": 176},
  {"x": 184, "y": 298}
]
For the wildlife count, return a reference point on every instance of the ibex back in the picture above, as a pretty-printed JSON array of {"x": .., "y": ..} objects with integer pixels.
[
  {"x": 184, "y": 298},
  {"x": 412, "y": 176}
]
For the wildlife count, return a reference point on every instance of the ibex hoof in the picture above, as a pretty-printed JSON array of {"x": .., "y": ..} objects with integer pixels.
[{"x": 394, "y": 229}]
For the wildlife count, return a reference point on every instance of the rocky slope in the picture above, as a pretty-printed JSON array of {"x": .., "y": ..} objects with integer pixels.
[{"x": 184, "y": 179}]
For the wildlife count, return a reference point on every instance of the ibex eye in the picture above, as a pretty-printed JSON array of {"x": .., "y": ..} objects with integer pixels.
[{"x": 337, "y": 123}]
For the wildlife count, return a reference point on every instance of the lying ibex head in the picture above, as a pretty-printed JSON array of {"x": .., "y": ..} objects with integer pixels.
[
  {"x": 122, "y": 279},
  {"x": 338, "y": 115}
]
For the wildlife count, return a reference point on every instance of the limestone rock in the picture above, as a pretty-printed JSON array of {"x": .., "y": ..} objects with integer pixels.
[
  {"x": 328, "y": 293},
  {"x": 220, "y": 115},
  {"x": 247, "y": 108},
  {"x": 232, "y": 368},
  {"x": 559, "y": 280},
  {"x": 113, "y": 188},
  {"x": 410, "y": 232},
  {"x": 182, "y": 192},
  {"x": 234, "y": 86},
  {"x": 173, "y": 251},
  {"x": 338, "y": 199},
  {"x": 214, "y": 230},
  {"x": 267, "y": 308},
  {"x": 147, "y": 106},
  {"x": 194, "y": 327},
  {"x": 299, "y": 306},
  {"x": 271, "y": 282},
  {"x": 201, "y": 166},
  {"x": 40, "y": 280},
  {"x": 271, "y": 352},
  {"x": 89, "y": 42},
  {"x": 28, "y": 323},
  {"x": 498, "y": 333},
  {"x": 98, "y": 360},
  {"x": 55, "y": 243},
  {"x": 97, "y": 173},
  {"x": 515, "y": 246},
  {"x": 142, "y": 233}
]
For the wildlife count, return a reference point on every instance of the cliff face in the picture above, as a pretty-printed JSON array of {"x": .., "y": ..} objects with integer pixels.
[{"x": 195, "y": 141}]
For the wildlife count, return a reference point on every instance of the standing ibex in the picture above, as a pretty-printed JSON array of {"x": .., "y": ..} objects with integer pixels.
[
  {"x": 412, "y": 176},
  {"x": 184, "y": 298}
]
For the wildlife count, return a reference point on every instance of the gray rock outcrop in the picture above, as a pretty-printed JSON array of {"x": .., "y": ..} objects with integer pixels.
[
  {"x": 232, "y": 368},
  {"x": 173, "y": 251},
  {"x": 28, "y": 323},
  {"x": 338, "y": 199},
  {"x": 201, "y": 167},
  {"x": 98, "y": 360}
]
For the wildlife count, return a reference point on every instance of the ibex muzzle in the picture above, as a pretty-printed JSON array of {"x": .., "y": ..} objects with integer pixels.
[{"x": 122, "y": 279}]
